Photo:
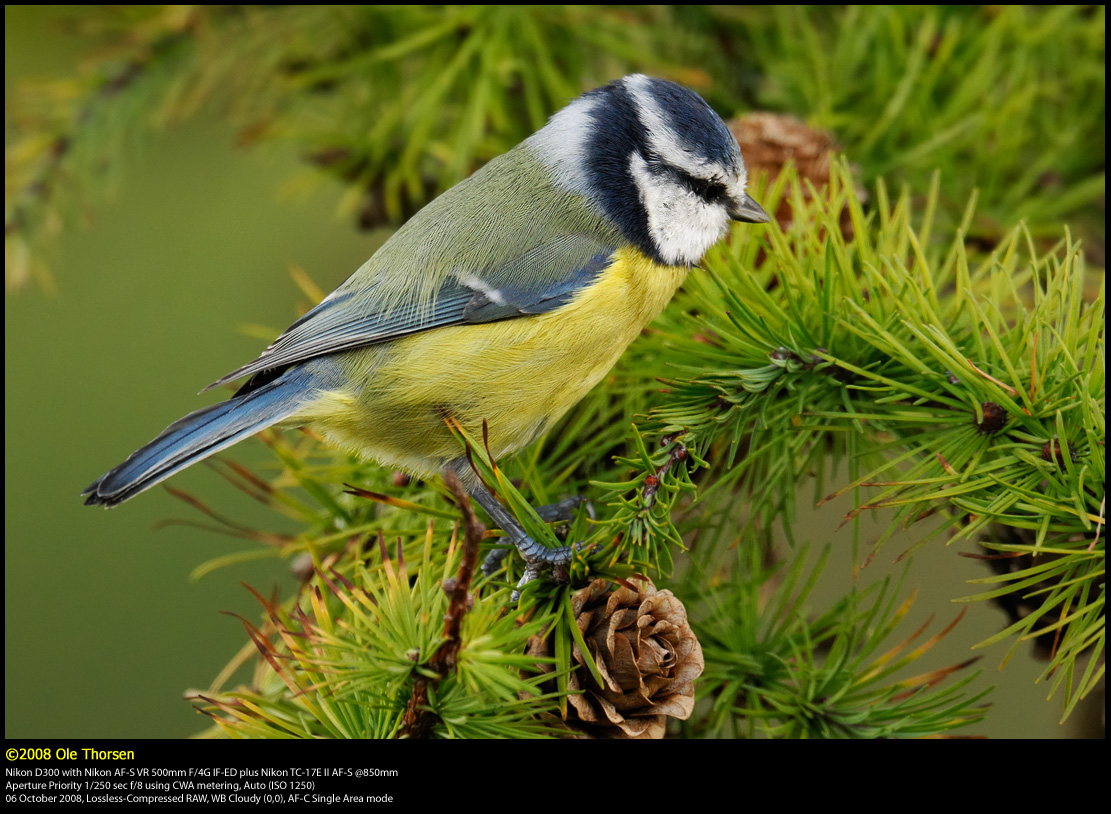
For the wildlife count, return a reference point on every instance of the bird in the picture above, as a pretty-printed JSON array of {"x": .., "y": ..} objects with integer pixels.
[{"x": 504, "y": 300}]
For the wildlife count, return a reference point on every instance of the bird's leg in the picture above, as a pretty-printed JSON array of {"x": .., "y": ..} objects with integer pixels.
[
  {"x": 533, "y": 552},
  {"x": 564, "y": 510},
  {"x": 535, "y": 555}
]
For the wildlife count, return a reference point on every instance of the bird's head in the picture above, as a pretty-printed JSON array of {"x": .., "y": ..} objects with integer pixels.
[{"x": 656, "y": 161}]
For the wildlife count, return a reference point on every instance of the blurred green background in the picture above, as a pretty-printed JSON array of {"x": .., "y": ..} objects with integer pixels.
[{"x": 104, "y": 630}]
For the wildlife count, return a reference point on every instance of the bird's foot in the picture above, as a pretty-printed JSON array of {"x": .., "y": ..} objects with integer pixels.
[
  {"x": 564, "y": 511},
  {"x": 538, "y": 556}
]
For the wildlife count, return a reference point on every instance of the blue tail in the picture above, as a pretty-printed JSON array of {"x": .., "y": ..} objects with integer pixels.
[{"x": 201, "y": 434}]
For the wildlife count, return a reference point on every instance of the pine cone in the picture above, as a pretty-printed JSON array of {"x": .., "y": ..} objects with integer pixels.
[{"x": 647, "y": 655}]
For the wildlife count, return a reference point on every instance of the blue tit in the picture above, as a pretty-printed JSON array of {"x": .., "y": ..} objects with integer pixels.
[{"x": 506, "y": 298}]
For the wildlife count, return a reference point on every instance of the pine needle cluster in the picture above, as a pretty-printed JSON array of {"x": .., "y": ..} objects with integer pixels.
[{"x": 937, "y": 383}]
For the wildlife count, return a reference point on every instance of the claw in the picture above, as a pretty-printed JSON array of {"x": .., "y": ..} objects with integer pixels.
[
  {"x": 531, "y": 573},
  {"x": 493, "y": 560}
]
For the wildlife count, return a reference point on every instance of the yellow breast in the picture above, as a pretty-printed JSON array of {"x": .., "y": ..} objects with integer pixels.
[{"x": 519, "y": 374}]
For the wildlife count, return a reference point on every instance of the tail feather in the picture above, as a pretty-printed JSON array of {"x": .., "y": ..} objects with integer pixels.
[{"x": 200, "y": 434}]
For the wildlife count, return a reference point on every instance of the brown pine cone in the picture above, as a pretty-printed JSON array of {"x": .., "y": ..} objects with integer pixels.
[{"x": 646, "y": 652}]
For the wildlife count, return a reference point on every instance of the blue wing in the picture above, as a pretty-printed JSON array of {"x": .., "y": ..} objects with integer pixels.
[{"x": 354, "y": 317}]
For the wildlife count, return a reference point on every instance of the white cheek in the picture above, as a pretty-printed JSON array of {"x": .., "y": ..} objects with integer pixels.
[{"x": 682, "y": 225}]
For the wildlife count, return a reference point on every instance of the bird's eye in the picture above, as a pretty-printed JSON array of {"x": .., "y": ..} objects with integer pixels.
[{"x": 706, "y": 189}]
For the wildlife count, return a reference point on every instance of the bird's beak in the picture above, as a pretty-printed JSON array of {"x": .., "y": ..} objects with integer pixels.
[{"x": 748, "y": 211}]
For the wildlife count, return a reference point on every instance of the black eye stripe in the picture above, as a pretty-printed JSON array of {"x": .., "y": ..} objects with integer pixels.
[{"x": 704, "y": 187}]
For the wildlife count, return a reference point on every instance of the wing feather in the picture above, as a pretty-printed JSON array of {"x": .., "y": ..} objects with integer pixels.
[{"x": 354, "y": 317}]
